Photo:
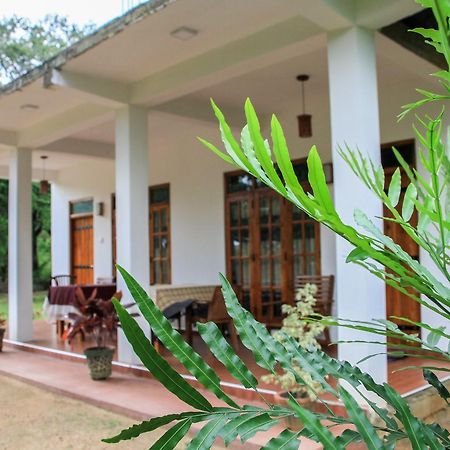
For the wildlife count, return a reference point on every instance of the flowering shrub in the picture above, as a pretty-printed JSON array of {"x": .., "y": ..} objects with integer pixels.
[{"x": 305, "y": 333}]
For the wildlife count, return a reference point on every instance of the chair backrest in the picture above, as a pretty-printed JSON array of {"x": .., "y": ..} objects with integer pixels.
[
  {"x": 105, "y": 280},
  {"x": 324, "y": 294},
  {"x": 62, "y": 280},
  {"x": 217, "y": 311}
]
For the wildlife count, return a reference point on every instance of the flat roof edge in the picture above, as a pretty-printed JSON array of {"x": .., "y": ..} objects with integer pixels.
[{"x": 103, "y": 33}]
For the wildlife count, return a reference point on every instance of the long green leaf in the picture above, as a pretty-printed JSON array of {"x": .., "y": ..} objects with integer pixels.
[
  {"x": 313, "y": 424},
  {"x": 362, "y": 423},
  {"x": 152, "y": 424},
  {"x": 249, "y": 336},
  {"x": 249, "y": 428},
  {"x": 261, "y": 151},
  {"x": 286, "y": 440},
  {"x": 220, "y": 348},
  {"x": 436, "y": 383},
  {"x": 395, "y": 187},
  {"x": 156, "y": 364},
  {"x": 231, "y": 430},
  {"x": 173, "y": 341},
  {"x": 205, "y": 438},
  {"x": 143, "y": 427},
  {"x": 170, "y": 439},
  {"x": 318, "y": 182}
]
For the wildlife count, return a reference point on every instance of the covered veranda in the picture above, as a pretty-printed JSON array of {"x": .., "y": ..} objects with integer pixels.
[{"x": 120, "y": 113}]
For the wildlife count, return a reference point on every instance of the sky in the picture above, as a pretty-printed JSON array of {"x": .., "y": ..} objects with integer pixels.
[{"x": 78, "y": 11}]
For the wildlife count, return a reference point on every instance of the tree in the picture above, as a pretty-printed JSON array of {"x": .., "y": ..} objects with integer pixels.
[{"x": 24, "y": 44}]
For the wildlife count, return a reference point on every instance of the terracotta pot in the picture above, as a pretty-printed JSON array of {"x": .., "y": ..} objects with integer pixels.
[
  {"x": 292, "y": 422},
  {"x": 100, "y": 362},
  {"x": 2, "y": 333}
]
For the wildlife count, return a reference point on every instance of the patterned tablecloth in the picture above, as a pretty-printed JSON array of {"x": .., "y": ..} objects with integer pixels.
[{"x": 166, "y": 295}]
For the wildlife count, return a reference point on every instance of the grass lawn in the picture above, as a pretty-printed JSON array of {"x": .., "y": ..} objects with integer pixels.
[{"x": 38, "y": 301}]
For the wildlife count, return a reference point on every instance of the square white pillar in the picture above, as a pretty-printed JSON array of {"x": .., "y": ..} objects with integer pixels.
[
  {"x": 132, "y": 220},
  {"x": 20, "y": 266},
  {"x": 355, "y": 122}
]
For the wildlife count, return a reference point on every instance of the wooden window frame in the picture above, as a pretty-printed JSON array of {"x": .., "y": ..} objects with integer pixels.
[{"x": 155, "y": 260}]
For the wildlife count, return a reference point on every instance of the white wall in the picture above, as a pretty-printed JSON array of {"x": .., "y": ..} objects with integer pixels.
[
  {"x": 196, "y": 195},
  {"x": 88, "y": 179},
  {"x": 196, "y": 183}
]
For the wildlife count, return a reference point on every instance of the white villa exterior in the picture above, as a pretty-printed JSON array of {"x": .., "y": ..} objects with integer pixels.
[{"x": 121, "y": 111}]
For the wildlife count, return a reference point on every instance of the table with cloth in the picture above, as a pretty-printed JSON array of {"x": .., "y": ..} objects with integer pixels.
[
  {"x": 175, "y": 301},
  {"x": 61, "y": 300},
  {"x": 167, "y": 295}
]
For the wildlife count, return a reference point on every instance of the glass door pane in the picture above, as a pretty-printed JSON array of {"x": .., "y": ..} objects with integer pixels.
[
  {"x": 239, "y": 246},
  {"x": 269, "y": 207}
]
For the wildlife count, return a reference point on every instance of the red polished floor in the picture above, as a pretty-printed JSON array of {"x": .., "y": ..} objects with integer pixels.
[{"x": 403, "y": 381}]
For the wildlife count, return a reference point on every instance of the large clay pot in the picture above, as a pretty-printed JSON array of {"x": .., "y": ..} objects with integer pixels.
[
  {"x": 99, "y": 361},
  {"x": 2, "y": 333},
  {"x": 292, "y": 422}
]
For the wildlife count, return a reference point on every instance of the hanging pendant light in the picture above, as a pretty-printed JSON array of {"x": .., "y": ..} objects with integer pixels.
[
  {"x": 44, "y": 185},
  {"x": 304, "y": 120}
]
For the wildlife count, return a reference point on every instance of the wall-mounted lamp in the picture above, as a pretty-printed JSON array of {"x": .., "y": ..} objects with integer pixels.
[
  {"x": 99, "y": 208},
  {"x": 328, "y": 171}
]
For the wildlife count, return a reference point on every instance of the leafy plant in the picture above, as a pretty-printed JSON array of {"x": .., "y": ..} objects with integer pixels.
[
  {"x": 97, "y": 317},
  {"x": 305, "y": 333},
  {"x": 390, "y": 419}
]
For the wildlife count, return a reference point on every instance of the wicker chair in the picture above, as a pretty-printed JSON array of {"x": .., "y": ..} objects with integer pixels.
[{"x": 324, "y": 297}]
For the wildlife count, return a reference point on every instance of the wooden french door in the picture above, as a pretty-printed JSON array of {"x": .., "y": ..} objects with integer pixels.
[
  {"x": 268, "y": 242},
  {"x": 398, "y": 304},
  {"x": 270, "y": 250},
  {"x": 82, "y": 249},
  {"x": 239, "y": 209}
]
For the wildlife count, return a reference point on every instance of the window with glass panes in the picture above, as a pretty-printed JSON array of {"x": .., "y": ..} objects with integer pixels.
[
  {"x": 269, "y": 242},
  {"x": 159, "y": 208}
]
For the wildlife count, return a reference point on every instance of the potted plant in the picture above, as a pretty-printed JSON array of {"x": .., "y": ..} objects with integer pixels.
[
  {"x": 96, "y": 318},
  {"x": 2, "y": 331},
  {"x": 305, "y": 333}
]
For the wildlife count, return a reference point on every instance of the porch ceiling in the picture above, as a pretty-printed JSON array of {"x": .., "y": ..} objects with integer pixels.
[{"x": 253, "y": 48}]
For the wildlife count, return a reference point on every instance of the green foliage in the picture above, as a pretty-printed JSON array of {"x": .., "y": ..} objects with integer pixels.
[
  {"x": 242, "y": 422},
  {"x": 25, "y": 45},
  {"x": 41, "y": 239},
  {"x": 439, "y": 39},
  {"x": 428, "y": 195}
]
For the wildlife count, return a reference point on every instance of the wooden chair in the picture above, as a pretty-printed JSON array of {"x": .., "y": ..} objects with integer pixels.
[
  {"x": 324, "y": 297},
  {"x": 62, "y": 280},
  {"x": 214, "y": 311}
]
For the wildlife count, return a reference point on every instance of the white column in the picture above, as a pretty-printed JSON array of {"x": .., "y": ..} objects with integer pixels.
[
  {"x": 20, "y": 266},
  {"x": 132, "y": 205},
  {"x": 355, "y": 121}
]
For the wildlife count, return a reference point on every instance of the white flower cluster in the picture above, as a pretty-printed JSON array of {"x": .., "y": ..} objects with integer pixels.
[{"x": 305, "y": 332}]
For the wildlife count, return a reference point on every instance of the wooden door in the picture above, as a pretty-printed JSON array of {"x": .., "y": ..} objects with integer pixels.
[
  {"x": 398, "y": 304},
  {"x": 82, "y": 249}
]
